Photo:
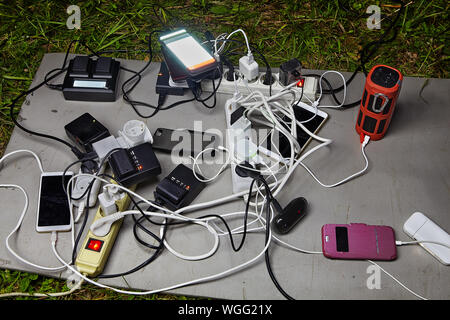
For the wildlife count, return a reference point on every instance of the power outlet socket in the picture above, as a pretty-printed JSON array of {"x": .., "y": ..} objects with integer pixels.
[{"x": 310, "y": 86}]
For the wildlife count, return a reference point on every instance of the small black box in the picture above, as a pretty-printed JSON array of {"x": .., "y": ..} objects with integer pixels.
[
  {"x": 85, "y": 130},
  {"x": 134, "y": 165},
  {"x": 290, "y": 71},
  {"x": 179, "y": 188}
]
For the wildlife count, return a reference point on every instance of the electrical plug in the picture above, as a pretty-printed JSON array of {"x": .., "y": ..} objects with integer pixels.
[
  {"x": 366, "y": 140},
  {"x": 102, "y": 226},
  {"x": 248, "y": 67},
  {"x": 245, "y": 170},
  {"x": 108, "y": 199}
]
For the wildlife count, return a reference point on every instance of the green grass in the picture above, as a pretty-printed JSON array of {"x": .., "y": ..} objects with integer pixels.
[{"x": 319, "y": 33}]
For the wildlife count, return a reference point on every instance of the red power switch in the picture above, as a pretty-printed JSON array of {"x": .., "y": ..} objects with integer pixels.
[{"x": 94, "y": 245}]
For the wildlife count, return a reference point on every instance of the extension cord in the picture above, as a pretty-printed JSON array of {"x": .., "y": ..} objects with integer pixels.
[
  {"x": 95, "y": 250},
  {"x": 310, "y": 86},
  {"x": 239, "y": 130}
]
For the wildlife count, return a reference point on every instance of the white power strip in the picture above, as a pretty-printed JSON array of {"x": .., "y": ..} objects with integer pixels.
[
  {"x": 237, "y": 131},
  {"x": 310, "y": 86}
]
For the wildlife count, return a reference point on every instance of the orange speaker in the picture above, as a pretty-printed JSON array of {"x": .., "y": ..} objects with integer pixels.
[{"x": 380, "y": 95}]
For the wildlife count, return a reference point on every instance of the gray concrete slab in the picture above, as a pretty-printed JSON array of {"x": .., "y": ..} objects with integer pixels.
[{"x": 408, "y": 172}]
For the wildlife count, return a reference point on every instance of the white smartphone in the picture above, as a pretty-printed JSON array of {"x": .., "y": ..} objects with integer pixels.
[
  {"x": 53, "y": 206},
  {"x": 189, "y": 52}
]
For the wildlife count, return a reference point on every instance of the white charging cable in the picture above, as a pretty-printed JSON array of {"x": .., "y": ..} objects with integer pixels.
[
  {"x": 249, "y": 51},
  {"x": 363, "y": 146},
  {"x": 172, "y": 287},
  {"x": 22, "y": 216},
  {"x": 402, "y": 243},
  {"x": 16, "y": 229},
  {"x": 320, "y": 88}
]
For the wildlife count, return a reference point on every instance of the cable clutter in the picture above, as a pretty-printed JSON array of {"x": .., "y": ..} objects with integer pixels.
[{"x": 112, "y": 167}]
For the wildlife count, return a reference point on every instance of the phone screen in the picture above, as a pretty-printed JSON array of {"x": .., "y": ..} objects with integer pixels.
[
  {"x": 53, "y": 203},
  {"x": 341, "y": 239},
  {"x": 187, "y": 50}
]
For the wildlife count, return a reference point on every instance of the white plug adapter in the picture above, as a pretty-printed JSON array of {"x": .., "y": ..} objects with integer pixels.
[
  {"x": 108, "y": 199},
  {"x": 102, "y": 226},
  {"x": 104, "y": 146},
  {"x": 134, "y": 132},
  {"x": 423, "y": 229},
  {"x": 249, "y": 67}
]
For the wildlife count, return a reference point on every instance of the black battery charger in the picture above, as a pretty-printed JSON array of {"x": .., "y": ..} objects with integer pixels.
[
  {"x": 179, "y": 188},
  {"x": 90, "y": 79},
  {"x": 134, "y": 165}
]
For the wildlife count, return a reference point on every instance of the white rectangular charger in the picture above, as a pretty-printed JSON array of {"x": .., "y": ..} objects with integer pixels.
[{"x": 421, "y": 228}]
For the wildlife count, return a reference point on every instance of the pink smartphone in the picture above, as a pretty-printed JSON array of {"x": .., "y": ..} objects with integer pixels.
[{"x": 358, "y": 241}]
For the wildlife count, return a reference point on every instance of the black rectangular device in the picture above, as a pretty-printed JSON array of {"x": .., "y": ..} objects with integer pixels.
[
  {"x": 91, "y": 80},
  {"x": 134, "y": 165},
  {"x": 184, "y": 143},
  {"x": 162, "y": 83},
  {"x": 179, "y": 188},
  {"x": 85, "y": 130}
]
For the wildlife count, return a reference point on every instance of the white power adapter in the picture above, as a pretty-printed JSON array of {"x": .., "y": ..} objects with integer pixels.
[
  {"x": 134, "y": 132},
  {"x": 425, "y": 231},
  {"x": 108, "y": 199},
  {"x": 249, "y": 67},
  {"x": 104, "y": 146},
  {"x": 238, "y": 129}
]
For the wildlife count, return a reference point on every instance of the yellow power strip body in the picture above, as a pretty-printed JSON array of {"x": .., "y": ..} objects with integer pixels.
[{"x": 95, "y": 250}]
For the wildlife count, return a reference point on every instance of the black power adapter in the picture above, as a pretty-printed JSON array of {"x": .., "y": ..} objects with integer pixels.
[
  {"x": 290, "y": 71},
  {"x": 134, "y": 165},
  {"x": 85, "y": 130},
  {"x": 179, "y": 188}
]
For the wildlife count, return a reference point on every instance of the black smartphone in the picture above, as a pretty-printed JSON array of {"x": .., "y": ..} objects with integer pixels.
[{"x": 183, "y": 142}]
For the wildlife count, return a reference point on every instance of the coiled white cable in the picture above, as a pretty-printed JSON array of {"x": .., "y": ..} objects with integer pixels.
[{"x": 22, "y": 215}]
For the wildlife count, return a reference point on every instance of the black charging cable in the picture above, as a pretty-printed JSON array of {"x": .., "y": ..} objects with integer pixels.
[
  {"x": 247, "y": 170},
  {"x": 138, "y": 223},
  {"x": 52, "y": 74},
  {"x": 363, "y": 58},
  {"x": 196, "y": 88},
  {"x": 73, "y": 148}
]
